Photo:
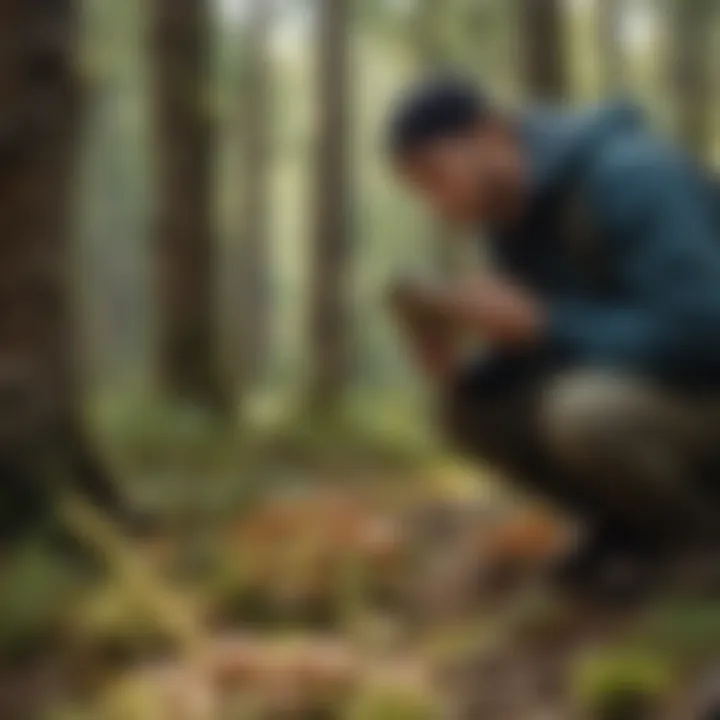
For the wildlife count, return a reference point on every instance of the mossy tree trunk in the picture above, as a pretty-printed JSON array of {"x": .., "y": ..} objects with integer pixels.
[
  {"x": 330, "y": 258},
  {"x": 253, "y": 274},
  {"x": 41, "y": 438},
  {"x": 692, "y": 36},
  {"x": 433, "y": 54},
  {"x": 542, "y": 49},
  {"x": 188, "y": 347}
]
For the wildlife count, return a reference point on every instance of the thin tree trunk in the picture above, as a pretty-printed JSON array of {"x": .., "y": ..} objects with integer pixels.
[
  {"x": 329, "y": 270},
  {"x": 429, "y": 29},
  {"x": 254, "y": 270},
  {"x": 610, "y": 45},
  {"x": 41, "y": 438},
  {"x": 543, "y": 49},
  {"x": 433, "y": 58},
  {"x": 189, "y": 364},
  {"x": 692, "y": 73}
]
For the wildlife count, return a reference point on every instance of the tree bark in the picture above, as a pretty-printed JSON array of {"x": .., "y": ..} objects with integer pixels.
[
  {"x": 692, "y": 36},
  {"x": 329, "y": 270},
  {"x": 543, "y": 50},
  {"x": 254, "y": 270},
  {"x": 432, "y": 54},
  {"x": 41, "y": 437},
  {"x": 189, "y": 357}
]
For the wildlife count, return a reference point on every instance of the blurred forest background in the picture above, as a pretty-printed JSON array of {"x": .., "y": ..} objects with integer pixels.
[
  {"x": 287, "y": 185},
  {"x": 197, "y": 230}
]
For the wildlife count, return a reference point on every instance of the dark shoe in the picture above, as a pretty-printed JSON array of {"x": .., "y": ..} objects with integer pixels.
[{"x": 613, "y": 566}]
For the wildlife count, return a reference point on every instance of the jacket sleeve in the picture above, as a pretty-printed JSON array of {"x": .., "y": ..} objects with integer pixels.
[{"x": 656, "y": 214}]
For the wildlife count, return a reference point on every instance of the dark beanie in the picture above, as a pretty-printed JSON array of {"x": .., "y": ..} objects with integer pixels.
[{"x": 438, "y": 107}]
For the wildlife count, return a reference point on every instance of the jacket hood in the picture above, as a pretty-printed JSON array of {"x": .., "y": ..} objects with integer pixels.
[{"x": 560, "y": 143}]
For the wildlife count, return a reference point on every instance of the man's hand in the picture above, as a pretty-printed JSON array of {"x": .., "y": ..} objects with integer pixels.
[
  {"x": 496, "y": 310},
  {"x": 486, "y": 307},
  {"x": 433, "y": 339}
]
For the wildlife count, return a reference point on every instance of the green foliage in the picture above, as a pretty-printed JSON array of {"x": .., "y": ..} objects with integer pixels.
[
  {"x": 66, "y": 713},
  {"x": 685, "y": 629},
  {"x": 176, "y": 461},
  {"x": 352, "y": 441},
  {"x": 150, "y": 431},
  {"x": 134, "y": 699},
  {"x": 110, "y": 625},
  {"x": 389, "y": 703},
  {"x": 623, "y": 685},
  {"x": 37, "y": 585}
]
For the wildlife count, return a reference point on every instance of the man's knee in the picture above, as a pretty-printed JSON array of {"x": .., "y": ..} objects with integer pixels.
[{"x": 588, "y": 417}]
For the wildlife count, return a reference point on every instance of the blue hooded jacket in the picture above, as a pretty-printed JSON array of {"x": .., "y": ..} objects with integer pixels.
[{"x": 643, "y": 295}]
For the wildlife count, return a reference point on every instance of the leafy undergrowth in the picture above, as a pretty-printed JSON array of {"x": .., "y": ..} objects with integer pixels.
[{"x": 279, "y": 587}]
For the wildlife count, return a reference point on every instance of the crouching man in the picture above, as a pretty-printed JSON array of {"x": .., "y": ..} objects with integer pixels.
[{"x": 600, "y": 312}]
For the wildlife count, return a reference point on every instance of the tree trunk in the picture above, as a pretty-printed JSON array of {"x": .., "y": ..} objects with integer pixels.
[
  {"x": 610, "y": 45},
  {"x": 189, "y": 364},
  {"x": 543, "y": 50},
  {"x": 433, "y": 58},
  {"x": 329, "y": 271},
  {"x": 41, "y": 439},
  {"x": 692, "y": 35},
  {"x": 254, "y": 271},
  {"x": 429, "y": 29}
]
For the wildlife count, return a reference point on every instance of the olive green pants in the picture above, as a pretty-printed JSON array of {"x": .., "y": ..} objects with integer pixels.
[{"x": 611, "y": 448}]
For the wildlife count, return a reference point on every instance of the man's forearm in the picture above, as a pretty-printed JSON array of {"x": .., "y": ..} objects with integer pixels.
[
  {"x": 495, "y": 311},
  {"x": 436, "y": 317},
  {"x": 434, "y": 348}
]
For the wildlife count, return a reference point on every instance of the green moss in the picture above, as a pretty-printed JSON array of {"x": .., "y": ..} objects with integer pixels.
[
  {"x": 36, "y": 587},
  {"x": 622, "y": 685},
  {"x": 687, "y": 630},
  {"x": 111, "y": 626},
  {"x": 390, "y": 703}
]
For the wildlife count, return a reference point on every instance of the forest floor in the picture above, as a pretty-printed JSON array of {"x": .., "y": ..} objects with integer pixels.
[{"x": 345, "y": 585}]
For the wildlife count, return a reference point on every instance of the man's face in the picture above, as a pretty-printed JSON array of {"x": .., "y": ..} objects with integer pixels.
[{"x": 467, "y": 179}]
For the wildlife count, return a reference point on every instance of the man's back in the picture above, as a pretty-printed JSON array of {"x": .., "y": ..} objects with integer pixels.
[{"x": 622, "y": 239}]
